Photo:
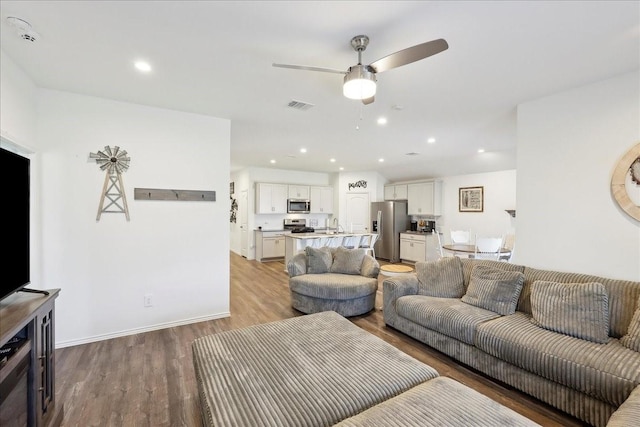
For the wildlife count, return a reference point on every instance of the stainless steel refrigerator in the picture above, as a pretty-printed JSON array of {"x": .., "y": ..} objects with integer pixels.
[{"x": 389, "y": 220}]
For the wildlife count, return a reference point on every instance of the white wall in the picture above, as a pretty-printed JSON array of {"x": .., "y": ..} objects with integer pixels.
[
  {"x": 176, "y": 251},
  {"x": 499, "y": 194},
  {"x": 568, "y": 147},
  {"x": 17, "y": 104}
]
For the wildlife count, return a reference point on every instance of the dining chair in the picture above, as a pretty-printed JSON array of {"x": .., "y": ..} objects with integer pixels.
[
  {"x": 460, "y": 237},
  {"x": 441, "y": 251},
  {"x": 509, "y": 243},
  {"x": 488, "y": 247}
]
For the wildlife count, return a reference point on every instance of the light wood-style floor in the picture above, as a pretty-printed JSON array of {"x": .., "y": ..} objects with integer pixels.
[{"x": 148, "y": 379}]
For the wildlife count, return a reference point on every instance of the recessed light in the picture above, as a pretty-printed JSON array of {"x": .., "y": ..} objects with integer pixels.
[
  {"x": 332, "y": 160},
  {"x": 272, "y": 161},
  {"x": 142, "y": 66},
  {"x": 382, "y": 121},
  {"x": 381, "y": 160},
  {"x": 341, "y": 168},
  {"x": 303, "y": 150},
  {"x": 431, "y": 140},
  {"x": 480, "y": 150}
]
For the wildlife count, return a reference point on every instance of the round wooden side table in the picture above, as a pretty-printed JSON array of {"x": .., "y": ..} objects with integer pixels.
[{"x": 395, "y": 269}]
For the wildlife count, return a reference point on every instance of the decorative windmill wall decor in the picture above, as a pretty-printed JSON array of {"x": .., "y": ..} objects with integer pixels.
[{"x": 114, "y": 162}]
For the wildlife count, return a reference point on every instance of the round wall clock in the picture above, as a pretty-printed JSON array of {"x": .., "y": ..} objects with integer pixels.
[{"x": 628, "y": 165}]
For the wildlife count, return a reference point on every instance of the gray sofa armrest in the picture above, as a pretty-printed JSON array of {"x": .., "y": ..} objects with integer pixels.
[
  {"x": 297, "y": 265},
  {"x": 394, "y": 288},
  {"x": 628, "y": 414},
  {"x": 370, "y": 267}
]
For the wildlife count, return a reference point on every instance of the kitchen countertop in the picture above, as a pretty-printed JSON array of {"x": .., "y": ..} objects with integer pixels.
[
  {"x": 416, "y": 232},
  {"x": 318, "y": 235}
]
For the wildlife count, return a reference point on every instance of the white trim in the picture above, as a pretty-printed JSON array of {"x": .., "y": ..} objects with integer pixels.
[{"x": 134, "y": 331}]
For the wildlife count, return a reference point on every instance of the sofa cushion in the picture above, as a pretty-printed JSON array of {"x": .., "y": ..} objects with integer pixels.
[
  {"x": 448, "y": 316},
  {"x": 436, "y": 403},
  {"x": 347, "y": 261},
  {"x": 442, "y": 278},
  {"x": 607, "y": 372},
  {"x": 577, "y": 309},
  {"x": 319, "y": 260},
  {"x": 333, "y": 285},
  {"x": 494, "y": 289},
  {"x": 632, "y": 338}
]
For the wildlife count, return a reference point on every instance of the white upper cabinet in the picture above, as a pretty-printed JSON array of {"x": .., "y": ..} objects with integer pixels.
[
  {"x": 321, "y": 200},
  {"x": 299, "y": 192},
  {"x": 395, "y": 192},
  {"x": 424, "y": 198},
  {"x": 271, "y": 198}
]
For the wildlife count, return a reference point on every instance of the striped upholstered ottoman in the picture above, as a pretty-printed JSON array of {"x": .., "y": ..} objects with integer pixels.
[{"x": 320, "y": 370}]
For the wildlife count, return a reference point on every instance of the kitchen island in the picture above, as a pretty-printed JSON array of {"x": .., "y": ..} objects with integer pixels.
[{"x": 296, "y": 242}]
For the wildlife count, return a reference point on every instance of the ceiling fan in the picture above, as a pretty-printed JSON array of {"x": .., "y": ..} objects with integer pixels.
[{"x": 360, "y": 80}]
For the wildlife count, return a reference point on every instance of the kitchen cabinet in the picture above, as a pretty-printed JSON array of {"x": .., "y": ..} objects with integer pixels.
[
  {"x": 416, "y": 247},
  {"x": 271, "y": 198},
  {"x": 321, "y": 199},
  {"x": 299, "y": 192},
  {"x": 270, "y": 245},
  {"x": 424, "y": 198},
  {"x": 395, "y": 192}
]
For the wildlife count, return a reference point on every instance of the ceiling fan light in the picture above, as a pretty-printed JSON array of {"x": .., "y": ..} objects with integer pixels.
[{"x": 359, "y": 83}]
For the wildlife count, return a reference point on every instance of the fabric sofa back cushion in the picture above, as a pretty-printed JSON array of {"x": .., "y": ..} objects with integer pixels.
[
  {"x": 623, "y": 295},
  {"x": 494, "y": 289},
  {"x": 469, "y": 263},
  {"x": 580, "y": 310},
  {"x": 319, "y": 260},
  {"x": 632, "y": 338},
  {"x": 347, "y": 261},
  {"x": 442, "y": 278}
]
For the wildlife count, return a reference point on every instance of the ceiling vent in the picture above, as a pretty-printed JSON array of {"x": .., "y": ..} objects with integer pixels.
[
  {"x": 299, "y": 105},
  {"x": 413, "y": 153}
]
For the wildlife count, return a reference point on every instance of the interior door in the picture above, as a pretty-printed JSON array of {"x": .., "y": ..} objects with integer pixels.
[
  {"x": 357, "y": 213},
  {"x": 244, "y": 226}
]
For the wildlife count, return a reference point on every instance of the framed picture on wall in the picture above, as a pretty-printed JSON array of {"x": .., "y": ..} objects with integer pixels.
[{"x": 471, "y": 199}]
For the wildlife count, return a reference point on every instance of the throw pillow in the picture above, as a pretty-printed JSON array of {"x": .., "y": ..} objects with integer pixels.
[
  {"x": 632, "y": 338},
  {"x": 494, "y": 289},
  {"x": 442, "y": 278},
  {"x": 347, "y": 261},
  {"x": 580, "y": 310},
  {"x": 319, "y": 260}
]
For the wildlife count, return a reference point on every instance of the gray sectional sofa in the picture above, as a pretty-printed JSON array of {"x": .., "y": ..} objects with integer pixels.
[{"x": 570, "y": 340}]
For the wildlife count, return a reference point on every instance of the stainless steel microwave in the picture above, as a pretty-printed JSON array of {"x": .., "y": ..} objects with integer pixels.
[{"x": 298, "y": 206}]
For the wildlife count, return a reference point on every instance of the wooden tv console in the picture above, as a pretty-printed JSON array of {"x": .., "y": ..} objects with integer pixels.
[{"x": 30, "y": 317}]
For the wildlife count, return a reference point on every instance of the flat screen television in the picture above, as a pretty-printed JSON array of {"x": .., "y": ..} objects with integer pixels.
[{"x": 15, "y": 179}]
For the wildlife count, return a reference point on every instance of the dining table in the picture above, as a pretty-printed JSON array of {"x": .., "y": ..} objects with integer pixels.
[{"x": 470, "y": 250}]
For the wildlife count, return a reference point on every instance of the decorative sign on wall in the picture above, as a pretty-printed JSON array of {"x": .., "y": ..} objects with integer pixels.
[
  {"x": 627, "y": 174},
  {"x": 114, "y": 162},
  {"x": 358, "y": 184},
  {"x": 471, "y": 199}
]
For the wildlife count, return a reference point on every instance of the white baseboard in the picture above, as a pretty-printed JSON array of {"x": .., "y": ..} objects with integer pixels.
[{"x": 95, "y": 338}]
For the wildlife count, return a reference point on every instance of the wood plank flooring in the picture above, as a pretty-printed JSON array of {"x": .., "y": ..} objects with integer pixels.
[{"x": 148, "y": 379}]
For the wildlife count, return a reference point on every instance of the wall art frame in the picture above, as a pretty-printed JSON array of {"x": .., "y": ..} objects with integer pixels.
[{"x": 471, "y": 199}]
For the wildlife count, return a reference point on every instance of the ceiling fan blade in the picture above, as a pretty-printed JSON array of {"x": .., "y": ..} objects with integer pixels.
[
  {"x": 409, "y": 55},
  {"x": 304, "y": 67},
  {"x": 368, "y": 101}
]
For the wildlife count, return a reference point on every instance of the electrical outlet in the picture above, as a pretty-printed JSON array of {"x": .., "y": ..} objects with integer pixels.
[{"x": 148, "y": 300}]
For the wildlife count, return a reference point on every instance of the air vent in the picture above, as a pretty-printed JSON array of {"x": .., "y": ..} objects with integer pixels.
[
  {"x": 413, "y": 153},
  {"x": 299, "y": 105}
]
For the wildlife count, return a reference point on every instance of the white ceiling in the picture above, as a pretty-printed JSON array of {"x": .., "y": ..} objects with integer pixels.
[{"x": 215, "y": 58}]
